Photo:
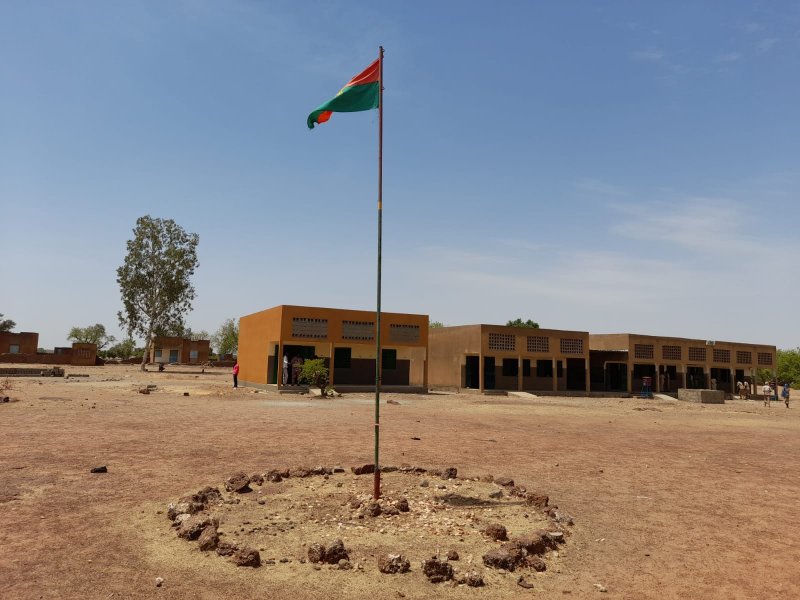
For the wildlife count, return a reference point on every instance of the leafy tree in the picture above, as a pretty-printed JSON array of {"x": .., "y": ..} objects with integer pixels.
[
  {"x": 314, "y": 372},
  {"x": 92, "y": 334},
  {"x": 6, "y": 324},
  {"x": 520, "y": 323},
  {"x": 435, "y": 324},
  {"x": 155, "y": 279},
  {"x": 226, "y": 339},
  {"x": 789, "y": 366},
  {"x": 125, "y": 349}
]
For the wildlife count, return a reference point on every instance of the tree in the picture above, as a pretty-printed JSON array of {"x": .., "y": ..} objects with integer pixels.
[
  {"x": 226, "y": 339},
  {"x": 92, "y": 334},
  {"x": 789, "y": 366},
  {"x": 435, "y": 324},
  {"x": 314, "y": 372},
  {"x": 6, "y": 324},
  {"x": 155, "y": 279},
  {"x": 125, "y": 349},
  {"x": 520, "y": 323}
]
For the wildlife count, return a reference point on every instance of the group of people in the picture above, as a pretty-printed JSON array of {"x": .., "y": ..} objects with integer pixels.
[
  {"x": 297, "y": 366},
  {"x": 767, "y": 390}
]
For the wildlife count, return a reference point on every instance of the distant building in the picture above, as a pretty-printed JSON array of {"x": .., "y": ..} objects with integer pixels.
[
  {"x": 179, "y": 350},
  {"x": 23, "y": 348},
  {"x": 344, "y": 339},
  {"x": 498, "y": 357},
  {"x": 24, "y": 342}
]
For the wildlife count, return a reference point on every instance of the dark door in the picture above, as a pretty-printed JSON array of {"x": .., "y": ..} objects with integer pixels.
[
  {"x": 273, "y": 372},
  {"x": 472, "y": 373},
  {"x": 576, "y": 374},
  {"x": 616, "y": 377},
  {"x": 488, "y": 372}
]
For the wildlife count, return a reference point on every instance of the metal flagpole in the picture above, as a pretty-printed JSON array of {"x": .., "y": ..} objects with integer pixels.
[{"x": 376, "y": 492}]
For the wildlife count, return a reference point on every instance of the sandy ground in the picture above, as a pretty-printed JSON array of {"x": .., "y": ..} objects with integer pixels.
[{"x": 670, "y": 500}]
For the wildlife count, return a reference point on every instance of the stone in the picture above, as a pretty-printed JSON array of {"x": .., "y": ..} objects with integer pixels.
[
  {"x": 207, "y": 496},
  {"x": 435, "y": 472},
  {"x": 537, "y": 500},
  {"x": 402, "y": 505},
  {"x": 344, "y": 565},
  {"x": 101, "y": 469},
  {"x": 257, "y": 479},
  {"x": 405, "y": 468},
  {"x": 159, "y": 581},
  {"x": 355, "y": 502},
  {"x": 316, "y": 553},
  {"x": 238, "y": 482},
  {"x": 437, "y": 571},
  {"x": 373, "y": 509},
  {"x": 496, "y": 532},
  {"x": 335, "y": 552},
  {"x": 274, "y": 476},
  {"x": 424, "y": 483},
  {"x": 504, "y": 481},
  {"x": 534, "y": 543},
  {"x": 600, "y": 587},
  {"x": 322, "y": 471},
  {"x": 191, "y": 528},
  {"x": 452, "y": 555},
  {"x": 246, "y": 557},
  {"x": 393, "y": 563},
  {"x": 496, "y": 494},
  {"x": 338, "y": 469},
  {"x": 300, "y": 472},
  {"x": 507, "y": 556},
  {"x": 144, "y": 390},
  {"x": 388, "y": 469},
  {"x": 523, "y": 583},
  {"x": 390, "y": 511},
  {"x": 562, "y": 517},
  {"x": 488, "y": 478},
  {"x": 536, "y": 563},
  {"x": 474, "y": 579},
  {"x": 208, "y": 540},
  {"x": 363, "y": 469},
  {"x": 556, "y": 536},
  {"x": 183, "y": 507}
]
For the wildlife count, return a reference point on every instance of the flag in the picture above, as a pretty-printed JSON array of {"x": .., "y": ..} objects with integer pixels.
[{"x": 360, "y": 93}]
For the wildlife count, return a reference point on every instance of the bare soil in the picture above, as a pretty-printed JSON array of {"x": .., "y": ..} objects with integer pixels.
[{"x": 670, "y": 500}]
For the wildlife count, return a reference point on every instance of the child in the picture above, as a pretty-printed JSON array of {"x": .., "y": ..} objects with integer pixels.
[{"x": 785, "y": 393}]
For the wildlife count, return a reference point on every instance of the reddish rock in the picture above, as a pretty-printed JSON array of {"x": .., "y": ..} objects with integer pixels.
[
  {"x": 363, "y": 469},
  {"x": 537, "y": 500},
  {"x": 474, "y": 579},
  {"x": 316, "y": 553},
  {"x": 452, "y": 555},
  {"x": 507, "y": 557},
  {"x": 504, "y": 481},
  {"x": 496, "y": 532},
  {"x": 393, "y": 563},
  {"x": 300, "y": 472},
  {"x": 192, "y": 527},
  {"x": 246, "y": 557},
  {"x": 226, "y": 548},
  {"x": 274, "y": 476},
  {"x": 450, "y": 473},
  {"x": 183, "y": 508},
  {"x": 536, "y": 563},
  {"x": 436, "y": 571},
  {"x": 373, "y": 509},
  {"x": 257, "y": 479},
  {"x": 238, "y": 482},
  {"x": 335, "y": 552},
  {"x": 208, "y": 539},
  {"x": 208, "y": 496},
  {"x": 402, "y": 505},
  {"x": 534, "y": 543}
]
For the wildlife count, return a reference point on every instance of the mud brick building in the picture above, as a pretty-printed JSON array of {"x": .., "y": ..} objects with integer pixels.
[
  {"x": 22, "y": 347},
  {"x": 619, "y": 361},
  {"x": 344, "y": 339},
  {"x": 179, "y": 350},
  {"x": 24, "y": 342},
  {"x": 489, "y": 357}
]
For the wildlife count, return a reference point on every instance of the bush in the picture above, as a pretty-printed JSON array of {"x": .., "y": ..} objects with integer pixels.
[{"x": 314, "y": 372}]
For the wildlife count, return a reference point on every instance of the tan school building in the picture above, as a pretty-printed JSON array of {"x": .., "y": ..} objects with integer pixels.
[
  {"x": 344, "y": 339},
  {"x": 497, "y": 357}
]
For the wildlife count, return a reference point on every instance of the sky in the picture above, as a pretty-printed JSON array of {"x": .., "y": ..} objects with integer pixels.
[{"x": 621, "y": 166}]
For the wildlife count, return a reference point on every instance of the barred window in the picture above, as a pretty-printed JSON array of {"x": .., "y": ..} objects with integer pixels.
[
  {"x": 721, "y": 356},
  {"x": 643, "y": 351},
  {"x": 571, "y": 346},
  {"x": 671, "y": 352},
  {"x": 309, "y": 328},
  {"x": 502, "y": 341},
  {"x": 697, "y": 354},
  {"x": 404, "y": 333},
  {"x": 743, "y": 357},
  {"x": 538, "y": 343},
  {"x": 358, "y": 330},
  {"x": 764, "y": 358}
]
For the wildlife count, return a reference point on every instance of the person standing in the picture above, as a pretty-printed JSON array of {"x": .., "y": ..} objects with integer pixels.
[
  {"x": 285, "y": 369},
  {"x": 766, "y": 389},
  {"x": 747, "y": 389},
  {"x": 297, "y": 366},
  {"x": 785, "y": 393},
  {"x": 236, "y": 374}
]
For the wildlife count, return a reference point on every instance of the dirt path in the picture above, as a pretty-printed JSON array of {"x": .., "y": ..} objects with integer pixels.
[{"x": 670, "y": 500}]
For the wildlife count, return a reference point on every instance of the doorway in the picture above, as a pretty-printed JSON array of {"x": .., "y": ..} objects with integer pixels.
[
  {"x": 696, "y": 378},
  {"x": 616, "y": 377},
  {"x": 488, "y": 372},
  {"x": 472, "y": 374},
  {"x": 576, "y": 374}
]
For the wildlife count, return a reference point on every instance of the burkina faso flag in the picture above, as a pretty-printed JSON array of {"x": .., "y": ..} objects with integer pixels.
[{"x": 360, "y": 93}]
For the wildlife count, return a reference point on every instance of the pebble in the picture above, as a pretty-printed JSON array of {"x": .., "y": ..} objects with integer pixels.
[
  {"x": 159, "y": 581},
  {"x": 600, "y": 588}
]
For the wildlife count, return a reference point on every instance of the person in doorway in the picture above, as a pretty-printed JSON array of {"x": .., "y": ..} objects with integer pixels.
[
  {"x": 740, "y": 389},
  {"x": 667, "y": 382},
  {"x": 236, "y": 374},
  {"x": 785, "y": 393},
  {"x": 661, "y": 380},
  {"x": 297, "y": 366},
  {"x": 766, "y": 389},
  {"x": 747, "y": 389},
  {"x": 713, "y": 383},
  {"x": 285, "y": 378}
]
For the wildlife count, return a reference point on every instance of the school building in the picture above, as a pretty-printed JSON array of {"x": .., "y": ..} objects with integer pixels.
[
  {"x": 173, "y": 350},
  {"x": 497, "y": 357},
  {"x": 620, "y": 361},
  {"x": 344, "y": 339}
]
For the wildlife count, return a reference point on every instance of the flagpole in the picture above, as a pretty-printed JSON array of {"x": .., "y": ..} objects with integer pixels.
[{"x": 376, "y": 492}]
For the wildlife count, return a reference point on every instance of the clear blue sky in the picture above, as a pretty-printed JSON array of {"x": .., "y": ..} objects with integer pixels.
[{"x": 616, "y": 166}]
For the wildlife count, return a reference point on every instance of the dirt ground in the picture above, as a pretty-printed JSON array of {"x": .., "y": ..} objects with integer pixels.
[{"x": 670, "y": 500}]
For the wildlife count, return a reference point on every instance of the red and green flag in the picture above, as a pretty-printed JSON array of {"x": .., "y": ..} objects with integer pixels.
[{"x": 360, "y": 93}]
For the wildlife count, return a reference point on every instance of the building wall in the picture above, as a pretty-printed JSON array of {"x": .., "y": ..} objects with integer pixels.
[
  {"x": 27, "y": 341},
  {"x": 84, "y": 355},
  {"x": 184, "y": 349},
  {"x": 448, "y": 348}
]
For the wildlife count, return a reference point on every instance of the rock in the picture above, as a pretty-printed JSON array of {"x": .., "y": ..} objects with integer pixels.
[
  {"x": 322, "y": 471},
  {"x": 355, "y": 502},
  {"x": 507, "y": 556},
  {"x": 402, "y": 505},
  {"x": 517, "y": 490},
  {"x": 300, "y": 472},
  {"x": 344, "y": 565},
  {"x": 488, "y": 478},
  {"x": 335, "y": 552},
  {"x": 373, "y": 509},
  {"x": 316, "y": 553},
  {"x": 183, "y": 507},
  {"x": 257, "y": 479},
  {"x": 424, "y": 483},
  {"x": 452, "y": 555},
  {"x": 562, "y": 517},
  {"x": 390, "y": 511},
  {"x": 363, "y": 469},
  {"x": 537, "y": 500},
  {"x": 536, "y": 563},
  {"x": 434, "y": 472},
  {"x": 556, "y": 536},
  {"x": 185, "y": 393},
  {"x": 246, "y": 557},
  {"x": 600, "y": 587},
  {"x": 522, "y": 582},
  {"x": 388, "y": 469},
  {"x": 534, "y": 543},
  {"x": 504, "y": 481},
  {"x": 208, "y": 539},
  {"x": 274, "y": 476},
  {"x": 390, "y": 401},
  {"x": 101, "y": 469},
  {"x": 238, "y": 482},
  {"x": 191, "y": 528},
  {"x": 496, "y": 494},
  {"x": 437, "y": 571},
  {"x": 159, "y": 581},
  {"x": 226, "y": 548},
  {"x": 496, "y": 532},
  {"x": 393, "y": 563},
  {"x": 206, "y": 496},
  {"x": 338, "y": 469},
  {"x": 405, "y": 468},
  {"x": 474, "y": 579},
  {"x": 144, "y": 390}
]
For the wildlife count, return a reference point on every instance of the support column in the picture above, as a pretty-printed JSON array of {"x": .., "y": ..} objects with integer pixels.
[
  {"x": 330, "y": 370},
  {"x": 519, "y": 374},
  {"x": 658, "y": 379},
  {"x": 555, "y": 376},
  {"x": 279, "y": 358},
  {"x": 480, "y": 372},
  {"x": 588, "y": 375},
  {"x": 629, "y": 373}
]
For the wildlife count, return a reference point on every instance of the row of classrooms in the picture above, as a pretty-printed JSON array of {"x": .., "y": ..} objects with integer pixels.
[{"x": 485, "y": 357}]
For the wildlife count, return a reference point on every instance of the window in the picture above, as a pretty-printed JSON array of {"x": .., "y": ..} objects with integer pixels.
[
  {"x": 404, "y": 333},
  {"x": 764, "y": 358},
  {"x": 571, "y": 346},
  {"x": 502, "y": 341},
  {"x": 671, "y": 352},
  {"x": 698, "y": 354},
  {"x": 744, "y": 358},
  {"x": 510, "y": 367},
  {"x": 388, "y": 359},
  {"x": 643, "y": 351},
  {"x": 309, "y": 328},
  {"x": 544, "y": 368},
  {"x": 173, "y": 356},
  {"x": 193, "y": 355},
  {"x": 538, "y": 343},
  {"x": 358, "y": 330},
  {"x": 721, "y": 356},
  {"x": 526, "y": 367},
  {"x": 13, "y": 349},
  {"x": 342, "y": 358},
  {"x": 158, "y": 353}
]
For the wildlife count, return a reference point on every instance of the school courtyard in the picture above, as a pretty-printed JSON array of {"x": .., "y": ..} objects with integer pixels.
[{"x": 669, "y": 499}]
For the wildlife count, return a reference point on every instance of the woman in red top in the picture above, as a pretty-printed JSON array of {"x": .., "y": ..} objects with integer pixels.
[{"x": 236, "y": 374}]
